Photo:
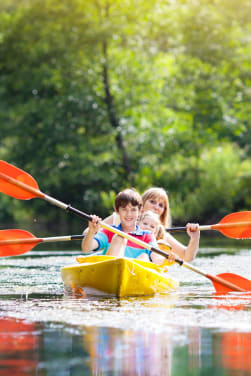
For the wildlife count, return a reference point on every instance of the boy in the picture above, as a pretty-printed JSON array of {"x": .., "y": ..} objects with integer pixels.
[{"x": 128, "y": 204}]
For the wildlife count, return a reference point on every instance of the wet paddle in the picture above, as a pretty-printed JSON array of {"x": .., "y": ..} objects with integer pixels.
[
  {"x": 17, "y": 183},
  {"x": 16, "y": 242},
  {"x": 224, "y": 282},
  {"x": 235, "y": 225}
]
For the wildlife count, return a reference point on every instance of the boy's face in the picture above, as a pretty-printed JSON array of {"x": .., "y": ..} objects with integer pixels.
[{"x": 128, "y": 214}]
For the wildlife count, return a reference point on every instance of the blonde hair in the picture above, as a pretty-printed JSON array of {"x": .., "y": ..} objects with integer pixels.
[
  {"x": 149, "y": 213},
  {"x": 160, "y": 231},
  {"x": 160, "y": 194}
]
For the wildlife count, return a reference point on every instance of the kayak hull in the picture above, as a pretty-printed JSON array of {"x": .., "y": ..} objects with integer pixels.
[{"x": 120, "y": 277}]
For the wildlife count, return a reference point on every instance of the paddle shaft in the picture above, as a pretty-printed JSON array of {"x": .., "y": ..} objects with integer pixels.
[
  {"x": 41, "y": 240},
  {"x": 70, "y": 209},
  {"x": 213, "y": 278},
  {"x": 212, "y": 227}
]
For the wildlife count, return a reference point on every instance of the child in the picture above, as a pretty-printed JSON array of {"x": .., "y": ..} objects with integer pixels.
[
  {"x": 128, "y": 204},
  {"x": 156, "y": 199},
  {"x": 151, "y": 221}
]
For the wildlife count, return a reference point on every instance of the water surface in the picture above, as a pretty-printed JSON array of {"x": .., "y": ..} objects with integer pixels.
[{"x": 189, "y": 332}]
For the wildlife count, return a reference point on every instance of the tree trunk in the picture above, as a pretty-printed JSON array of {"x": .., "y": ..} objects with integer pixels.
[{"x": 113, "y": 117}]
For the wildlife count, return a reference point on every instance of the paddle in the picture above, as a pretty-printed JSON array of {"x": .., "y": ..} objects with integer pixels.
[
  {"x": 235, "y": 225},
  {"x": 17, "y": 183},
  {"x": 16, "y": 242}
]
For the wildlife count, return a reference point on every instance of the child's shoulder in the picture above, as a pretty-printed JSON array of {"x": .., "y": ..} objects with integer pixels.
[{"x": 146, "y": 235}]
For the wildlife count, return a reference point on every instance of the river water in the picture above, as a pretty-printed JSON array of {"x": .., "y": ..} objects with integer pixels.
[{"x": 189, "y": 332}]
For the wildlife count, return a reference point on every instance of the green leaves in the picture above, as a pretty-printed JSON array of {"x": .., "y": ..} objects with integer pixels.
[{"x": 99, "y": 96}]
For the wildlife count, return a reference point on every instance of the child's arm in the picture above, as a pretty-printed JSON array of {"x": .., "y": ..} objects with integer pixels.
[
  {"x": 164, "y": 246},
  {"x": 88, "y": 243},
  {"x": 157, "y": 259},
  {"x": 108, "y": 220},
  {"x": 186, "y": 253},
  {"x": 117, "y": 246},
  {"x": 193, "y": 245},
  {"x": 143, "y": 257}
]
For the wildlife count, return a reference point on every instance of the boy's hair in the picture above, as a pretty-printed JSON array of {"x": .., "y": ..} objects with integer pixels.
[{"x": 128, "y": 196}]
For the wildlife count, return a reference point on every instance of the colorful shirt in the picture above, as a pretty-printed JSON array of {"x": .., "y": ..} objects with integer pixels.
[{"x": 132, "y": 250}]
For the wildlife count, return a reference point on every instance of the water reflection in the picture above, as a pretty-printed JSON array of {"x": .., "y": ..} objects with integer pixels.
[
  {"x": 127, "y": 352},
  {"x": 232, "y": 301},
  {"x": 19, "y": 343},
  {"x": 191, "y": 332},
  {"x": 235, "y": 350},
  {"x": 59, "y": 349}
]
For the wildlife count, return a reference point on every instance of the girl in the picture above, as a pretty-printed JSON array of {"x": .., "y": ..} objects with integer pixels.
[
  {"x": 150, "y": 221},
  {"x": 156, "y": 199}
]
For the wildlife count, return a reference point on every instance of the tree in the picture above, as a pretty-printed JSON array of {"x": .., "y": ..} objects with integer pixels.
[{"x": 99, "y": 95}]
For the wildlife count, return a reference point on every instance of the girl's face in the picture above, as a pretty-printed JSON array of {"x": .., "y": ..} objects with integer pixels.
[
  {"x": 156, "y": 205},
  {"x": 150, "y": 224}
]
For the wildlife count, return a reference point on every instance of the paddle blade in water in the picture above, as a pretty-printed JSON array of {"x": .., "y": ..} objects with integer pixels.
[
  {"x": 11, "y": 179},
  {"x": 233, "y": 279},
  {"x": 16, "y": 242},
  {"x": 236, "y": 225}
]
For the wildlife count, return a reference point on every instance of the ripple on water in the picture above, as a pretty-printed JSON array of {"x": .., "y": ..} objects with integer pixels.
[{"x": 31, "y": 288}]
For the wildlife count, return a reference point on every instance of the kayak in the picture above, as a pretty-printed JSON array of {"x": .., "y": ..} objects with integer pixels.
[{"x": 120, "y": 277}]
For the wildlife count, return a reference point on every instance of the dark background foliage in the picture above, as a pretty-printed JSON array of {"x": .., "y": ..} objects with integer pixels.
[{"x": 96, "y": 96}]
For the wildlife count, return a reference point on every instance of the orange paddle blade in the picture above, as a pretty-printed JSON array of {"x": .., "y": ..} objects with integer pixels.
[
  {"x": 17, "y": 183},
  {"x": 232, "y": 279},
  {"x": 16, "y": 242},
  {"x": 236, "y": 225}
]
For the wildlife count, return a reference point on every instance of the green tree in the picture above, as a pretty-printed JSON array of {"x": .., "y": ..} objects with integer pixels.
[{"x": 98, "y": 96}]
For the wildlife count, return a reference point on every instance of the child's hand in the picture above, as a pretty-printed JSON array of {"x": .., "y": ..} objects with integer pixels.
[
  {"x": 119, "y": 240},
  {"x": 170, "y": 260},
  {"x": 171, "y": 257},
  {"x": 94, "y": 224},
  {"x": 193, "y": 230},
  {"x": 157, "y": 259}
]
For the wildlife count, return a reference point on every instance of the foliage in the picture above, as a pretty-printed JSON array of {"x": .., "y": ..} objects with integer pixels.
[
  {"x": 223, "y": 176},
  {"x": 98, "y": 96}
]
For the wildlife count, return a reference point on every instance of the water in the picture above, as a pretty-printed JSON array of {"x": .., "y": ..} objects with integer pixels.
[{"x": 189, "y": 332}]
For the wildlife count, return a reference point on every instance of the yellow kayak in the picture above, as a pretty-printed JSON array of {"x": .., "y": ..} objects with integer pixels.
[{"x": 120, "y": 277}]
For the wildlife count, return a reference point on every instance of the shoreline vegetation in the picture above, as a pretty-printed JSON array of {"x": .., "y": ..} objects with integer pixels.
[{"x": 129, "y": 95}]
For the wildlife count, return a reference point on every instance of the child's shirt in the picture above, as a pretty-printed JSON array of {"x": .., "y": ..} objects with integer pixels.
[{"x": 132, "y": 250}]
